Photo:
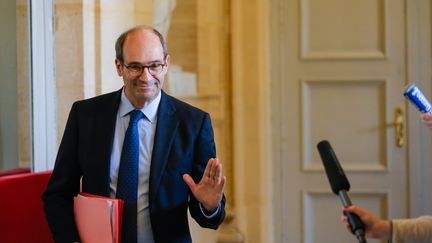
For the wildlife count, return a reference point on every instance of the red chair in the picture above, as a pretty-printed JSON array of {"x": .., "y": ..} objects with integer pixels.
[
  {"x": 14, "y": 171},
  {"x": 22, "y": 218}
]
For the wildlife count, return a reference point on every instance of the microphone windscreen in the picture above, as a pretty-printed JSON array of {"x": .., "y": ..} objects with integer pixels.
[{"x": 335, "y": 174}]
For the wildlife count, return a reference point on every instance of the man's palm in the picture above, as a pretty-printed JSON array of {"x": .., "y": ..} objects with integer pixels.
[{"x": 209, "y": 190}]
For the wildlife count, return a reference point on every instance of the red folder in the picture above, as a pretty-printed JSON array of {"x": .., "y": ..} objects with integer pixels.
[{"x": 98, "y": 218}]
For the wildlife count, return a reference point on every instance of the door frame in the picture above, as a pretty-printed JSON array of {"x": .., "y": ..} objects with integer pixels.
[{"x": 418, "y": 53}]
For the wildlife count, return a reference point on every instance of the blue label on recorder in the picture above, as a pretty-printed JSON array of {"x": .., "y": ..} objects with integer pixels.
[{"x": 414, "y": 94}]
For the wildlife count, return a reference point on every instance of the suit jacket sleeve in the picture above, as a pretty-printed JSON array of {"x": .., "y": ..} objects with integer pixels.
[
  {"x": 64, "y": 184},
  {"x": 205, "y": 149}
]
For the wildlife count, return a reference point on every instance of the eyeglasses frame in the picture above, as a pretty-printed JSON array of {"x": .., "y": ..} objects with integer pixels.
[{"x": 143, "y": 67}]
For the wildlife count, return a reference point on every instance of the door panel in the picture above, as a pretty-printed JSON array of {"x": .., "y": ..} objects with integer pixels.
[{"x": 338, "y": 74}]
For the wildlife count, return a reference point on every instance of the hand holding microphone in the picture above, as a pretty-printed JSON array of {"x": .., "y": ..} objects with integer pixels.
[
  {"x": 375, "y": 227},
  {"x": 340, "y": 186},
  {"x": 359, "y": 221}
]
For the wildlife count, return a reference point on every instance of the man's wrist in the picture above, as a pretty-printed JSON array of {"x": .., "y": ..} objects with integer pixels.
[{"x": 208, "y": 213}]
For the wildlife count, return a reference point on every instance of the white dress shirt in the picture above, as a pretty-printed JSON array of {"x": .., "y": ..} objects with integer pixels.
[{"x": 146, "y": 131}]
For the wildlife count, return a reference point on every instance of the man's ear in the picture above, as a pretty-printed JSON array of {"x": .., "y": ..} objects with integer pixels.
[
  {"x": 167, "y": 61},
  {"x": 118, "y": 66}
]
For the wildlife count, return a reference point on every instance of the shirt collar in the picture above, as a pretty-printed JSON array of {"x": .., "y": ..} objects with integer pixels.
[{"x": 149, "y": 111}]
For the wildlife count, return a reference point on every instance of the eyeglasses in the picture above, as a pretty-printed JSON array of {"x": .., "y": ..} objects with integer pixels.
[{"x": 137, "y": 69}]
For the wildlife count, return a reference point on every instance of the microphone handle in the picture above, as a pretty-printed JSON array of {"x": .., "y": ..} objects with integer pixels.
[{"x": 357, "y": 226}]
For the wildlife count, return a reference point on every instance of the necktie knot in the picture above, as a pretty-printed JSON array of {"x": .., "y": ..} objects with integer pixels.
[{"x": 135, "y": 116}]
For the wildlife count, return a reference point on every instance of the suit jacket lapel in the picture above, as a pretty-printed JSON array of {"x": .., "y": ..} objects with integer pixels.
[
  {"x": 166, "y": 128},
  {"x": 105, "y": 128}
]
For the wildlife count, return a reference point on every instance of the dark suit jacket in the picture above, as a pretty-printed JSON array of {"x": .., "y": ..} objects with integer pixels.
[{"x": 183, "y": 144}]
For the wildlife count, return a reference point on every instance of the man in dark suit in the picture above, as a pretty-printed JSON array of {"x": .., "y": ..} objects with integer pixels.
[{"x": 177, "y": 169}]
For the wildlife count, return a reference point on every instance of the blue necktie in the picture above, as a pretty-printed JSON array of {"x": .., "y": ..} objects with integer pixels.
[{"x": 127, "y": 184}]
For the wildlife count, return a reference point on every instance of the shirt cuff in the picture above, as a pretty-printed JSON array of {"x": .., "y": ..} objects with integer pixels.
[{"x": 206, "y": 213}]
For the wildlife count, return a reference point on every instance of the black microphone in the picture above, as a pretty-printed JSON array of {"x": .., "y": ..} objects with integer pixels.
[{"x": 340, "y": 186}]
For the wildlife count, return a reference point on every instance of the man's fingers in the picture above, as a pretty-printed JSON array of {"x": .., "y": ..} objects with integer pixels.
[
  {"x": 212, "y": 167},
  {"x": 218, "y": 171},
  {"x": 189, "y": 181},
  {"x": 217, "y": 168},
  {"x": 213, "y": 170},
  {"x": 222, "y": 183},
  {"x": 207, "y": 169}
]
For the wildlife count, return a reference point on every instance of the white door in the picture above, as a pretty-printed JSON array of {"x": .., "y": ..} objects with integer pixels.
[{"x": 339, "y": 70}]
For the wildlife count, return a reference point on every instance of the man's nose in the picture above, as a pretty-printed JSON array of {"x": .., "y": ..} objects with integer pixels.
[{"x": 145, "y": 75}]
